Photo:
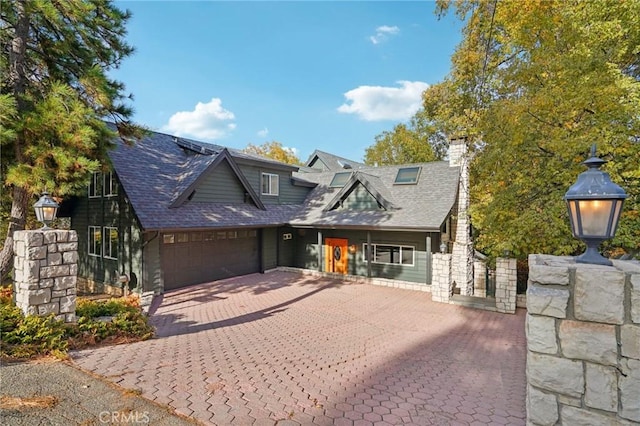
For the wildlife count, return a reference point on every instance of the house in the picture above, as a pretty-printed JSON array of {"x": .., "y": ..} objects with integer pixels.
[{"x": 175, "y": 212}]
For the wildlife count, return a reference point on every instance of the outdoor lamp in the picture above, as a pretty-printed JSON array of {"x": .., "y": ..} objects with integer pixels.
[
  {"x": 46, "y": 209},
  {"x": 594, "y": 204}
]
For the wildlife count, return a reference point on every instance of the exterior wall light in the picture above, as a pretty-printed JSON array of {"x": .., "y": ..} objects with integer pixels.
[
  {"x": 46, "y": 209},
  {"x": 594, "y": 204}
]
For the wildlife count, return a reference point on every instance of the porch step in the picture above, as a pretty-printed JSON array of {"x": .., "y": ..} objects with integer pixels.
[{"x": 484, "y": 303}]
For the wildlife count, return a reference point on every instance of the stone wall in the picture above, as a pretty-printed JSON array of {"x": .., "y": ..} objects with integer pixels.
[
  {"x": 441, "y": 282},
  {"x": 583, "y": 342},
  {"x": 506, "y": 285},
  {"x": 45, "y": 271},
  {"x": 479, "y": 278}
]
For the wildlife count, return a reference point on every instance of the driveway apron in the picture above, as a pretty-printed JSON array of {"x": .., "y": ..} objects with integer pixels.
[{"x": 283, "y": 348}]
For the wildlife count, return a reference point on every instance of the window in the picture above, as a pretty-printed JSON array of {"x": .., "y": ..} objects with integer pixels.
[
  {"x": 232, "y": 235},
  {"x": 110, "y": 185},
  {"x": 182, "y": 237},
  {"x": 221, "y": 235},
  {"x": 209, "y": 236},
  {"x": 95, "y": 241},
  {"x": 408, "y": 175},
  {"x": 110, "y": 242},
  {"x": 270, "y": 184},
  {"x": 253, "y": 233},
  {"x": 95, "y": 185},
  {"x": 390, "y": 254},
  {"x": 339, "y": 179},
  {"x": 196, "y": 236},
  {"x": 168, "y": 238}
]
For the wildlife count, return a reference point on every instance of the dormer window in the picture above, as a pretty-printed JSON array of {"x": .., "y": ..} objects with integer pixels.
[
  {"x": 339, "y": 179},
  {"x": 408, "y": 176},
  {"x": 270, "y": 184}
]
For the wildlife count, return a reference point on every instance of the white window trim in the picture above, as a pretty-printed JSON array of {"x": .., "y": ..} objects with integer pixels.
[
  {"x": 95, "y": 177},
  {"x": 110, "y": 186},
  {"x": 106, "y": 233},
  {"x": 374, "y": 245},
  {"x": 270, "y": 176},
  {"x": 91, "y": 230}
]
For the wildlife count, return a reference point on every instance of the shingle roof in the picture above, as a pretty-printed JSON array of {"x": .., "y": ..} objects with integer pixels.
[
  {"x": 423, "y": 206},
  {"x": 333, "y": 162},
  {"x": 156, "y": 170}
]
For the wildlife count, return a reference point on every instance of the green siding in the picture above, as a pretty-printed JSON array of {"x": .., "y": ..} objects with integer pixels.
[
  {"x": 269, "y": 248},
  {"x": 115, "y": 212},
  {"x": 306, "y": 254},
  {"x": 152, "y": 271},
  {"x": 359, "y": 199},
  {"x": 287, "y": 194},
  {"x": 286, "y": 248},
  {"x": 221, "y": 186}
]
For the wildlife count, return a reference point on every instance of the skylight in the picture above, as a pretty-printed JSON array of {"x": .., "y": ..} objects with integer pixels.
[
  {"x": 339, "y": 179},
  {"x": 408, "y": 175}
]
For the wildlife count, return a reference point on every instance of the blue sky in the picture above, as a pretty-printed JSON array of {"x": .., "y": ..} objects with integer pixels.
[{"x": 310, "y": 75}]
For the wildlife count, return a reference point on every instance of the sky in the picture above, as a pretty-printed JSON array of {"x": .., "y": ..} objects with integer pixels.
[{"x": 311, "y": 75}]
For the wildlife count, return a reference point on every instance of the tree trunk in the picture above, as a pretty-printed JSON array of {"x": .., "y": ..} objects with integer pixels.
[
  {"x": 19, "y": 208},
  {"x": 18, "y": 81}
]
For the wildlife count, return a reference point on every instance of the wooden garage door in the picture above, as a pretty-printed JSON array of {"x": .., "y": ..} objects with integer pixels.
[{"x": 197, "y": 257}]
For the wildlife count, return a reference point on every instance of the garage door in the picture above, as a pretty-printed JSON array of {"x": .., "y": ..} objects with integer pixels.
[{"x": 197, "y": 257}]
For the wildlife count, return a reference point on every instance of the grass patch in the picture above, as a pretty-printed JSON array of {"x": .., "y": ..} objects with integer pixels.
[{"x": 112, "y": 321}]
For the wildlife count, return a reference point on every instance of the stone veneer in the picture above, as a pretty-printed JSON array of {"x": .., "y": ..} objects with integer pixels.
[
  {"x": 45, "y": 271},
  {"x": 462, "y": 251},
  {"x": 506, "y": 285},
  {"x": 441, "y": 281},
  {"x": 583, "y": 342},
  {"x": 479, "y": 278}
]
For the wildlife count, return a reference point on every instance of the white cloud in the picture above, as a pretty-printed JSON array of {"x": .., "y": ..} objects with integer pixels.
[
  {"x": 263, "y": 133},
  {"x": 208, "y": 121},
  {"x": 383, "y": 32},
  {"x": 376, "y": 103}
]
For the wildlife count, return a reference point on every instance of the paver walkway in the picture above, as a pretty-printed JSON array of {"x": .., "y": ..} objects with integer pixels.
[{"x": 288, "y": 349}]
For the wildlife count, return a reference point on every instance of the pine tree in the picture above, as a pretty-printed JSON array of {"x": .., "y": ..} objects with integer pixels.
[{"x": 55, "y": 96}]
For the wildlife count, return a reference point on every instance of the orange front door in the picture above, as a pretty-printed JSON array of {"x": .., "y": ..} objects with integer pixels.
[{"x": 336, "y": 255}]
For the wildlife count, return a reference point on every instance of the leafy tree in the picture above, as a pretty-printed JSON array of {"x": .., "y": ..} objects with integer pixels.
[
  {"x": 54, "y": 96},
  {"x": 533, "y": 84},
  {"x": 275, "y": 151},
  {"x": 419, "y": 142}
]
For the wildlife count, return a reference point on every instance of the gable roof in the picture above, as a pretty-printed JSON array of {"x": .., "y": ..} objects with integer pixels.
[
  {"x": 224, "y": 155},
  {"x": 331, "y": 162},
  {"x": 423, "y": 206},
  {"x": 372, "y": 184},
  {"x": 159, "y": 171}
]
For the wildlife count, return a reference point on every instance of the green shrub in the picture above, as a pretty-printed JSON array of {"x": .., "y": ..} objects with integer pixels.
[{"x": 24, "y": 337}]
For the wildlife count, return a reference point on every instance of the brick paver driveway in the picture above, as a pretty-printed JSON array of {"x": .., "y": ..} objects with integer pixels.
[{"x": 288, "y": 349}]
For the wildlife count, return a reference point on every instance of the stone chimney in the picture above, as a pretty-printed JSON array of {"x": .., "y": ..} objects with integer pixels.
[
  {"x": 457, "y": 150},
  {"x": 462, "y": 253}
]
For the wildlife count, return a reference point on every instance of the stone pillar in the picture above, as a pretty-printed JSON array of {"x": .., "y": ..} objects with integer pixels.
[
  {"x": 479, "y": 279},
  {"x": 506, "y": 285},
  {"x": 583, "y": 342},
  {"x": 462, "y": 251},
  {"x": 441, "y": 283},
  {"x": 45, "y": 272}
]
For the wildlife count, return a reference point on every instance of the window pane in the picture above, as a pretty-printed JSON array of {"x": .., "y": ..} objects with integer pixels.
[
  {"x": 386, "y": 254},
  {"x": 242, "y": 234},
  {"x": 232, "y": 235},
  {"x": 182, "y": 237},
  {"x": 196, "y": 236},
  {"x": 408, "y": 175},
  {"x": 111, "y": 242},
  {"x": 253, "y": 233},
  {"x": 209, "y": 236},
  {"x": 95, "y": 241},
  {"x": 221, "y": 235},
  {"x": 407, "y": 255},
  {"x": 265, "y": 184},
  {"x": 168, "y": 239},
  {"x": 339, "y": 179},
  {"x": 275, "y": 179}
]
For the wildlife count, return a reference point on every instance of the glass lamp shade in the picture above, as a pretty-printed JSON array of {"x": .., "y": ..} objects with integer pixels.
[
  {"x": 46, "y": 209},
  {"x": 594, "y": 203}
]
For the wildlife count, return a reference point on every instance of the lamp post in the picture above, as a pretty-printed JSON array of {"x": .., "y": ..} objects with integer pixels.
[
  {"x": 46, "y": 209},
  {"x": 594, "y": 204}
]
